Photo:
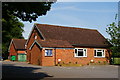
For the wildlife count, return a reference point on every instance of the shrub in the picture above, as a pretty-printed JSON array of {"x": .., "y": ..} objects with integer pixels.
[
  {"x": 104, "y": 61},
  {"x": 76, "y": 62},
  {"x": 99, "y": 61}
]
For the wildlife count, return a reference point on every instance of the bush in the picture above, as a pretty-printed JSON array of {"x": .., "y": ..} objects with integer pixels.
[{"x": 99, "y": 61}]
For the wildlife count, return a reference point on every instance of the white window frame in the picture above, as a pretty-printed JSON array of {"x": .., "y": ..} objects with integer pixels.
[
  {"x": 48, "y": 55},
  {"x": 102, "y": 50},
  {"x": 84, "y": 52}
]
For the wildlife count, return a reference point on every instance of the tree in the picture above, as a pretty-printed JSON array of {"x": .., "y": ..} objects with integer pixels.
[
  {"x": 12, "y": 28},
  {"x": 27, "y": 11},
  {"x": 12, "y": 12},
  {"x": 114, "y": 31}
]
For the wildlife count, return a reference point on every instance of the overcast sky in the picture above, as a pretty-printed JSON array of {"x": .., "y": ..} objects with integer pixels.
[{"x": 92, "y": 15}]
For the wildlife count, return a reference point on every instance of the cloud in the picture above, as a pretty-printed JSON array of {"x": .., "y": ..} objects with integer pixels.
[
  {"x": 66, "y": 20},
  {"x": 75, "y": 15},
  {"x": 64, "y": 8},
  {"x": 74, "y": 8}
]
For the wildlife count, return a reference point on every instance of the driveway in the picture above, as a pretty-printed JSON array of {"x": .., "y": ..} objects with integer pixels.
[{"x": 23, "y": 70}]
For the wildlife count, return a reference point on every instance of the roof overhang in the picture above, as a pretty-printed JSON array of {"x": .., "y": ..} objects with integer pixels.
[
  {"x": 90, "y": 45},
  {"x": 10, "y": 45},
  {"x": 35, "y": 42},
  {"x": 41, "y": 46}
]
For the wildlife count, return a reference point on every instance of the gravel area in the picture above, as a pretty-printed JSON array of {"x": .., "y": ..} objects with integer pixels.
[{"x": 25, "y": 70}]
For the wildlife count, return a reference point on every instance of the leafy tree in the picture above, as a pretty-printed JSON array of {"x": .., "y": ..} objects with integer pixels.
[
  {"x": 11, "y": 28},
  {"x": 12, "y": 12},
  {"x": 27, "y": 11},
  {"x": 114, "y": 31}
]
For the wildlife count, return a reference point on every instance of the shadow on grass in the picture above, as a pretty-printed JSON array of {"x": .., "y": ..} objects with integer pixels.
[{"x": 11, "y": 72}]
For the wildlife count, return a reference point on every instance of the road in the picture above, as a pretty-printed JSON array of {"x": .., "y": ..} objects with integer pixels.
[{"x": 22, "y": 70}]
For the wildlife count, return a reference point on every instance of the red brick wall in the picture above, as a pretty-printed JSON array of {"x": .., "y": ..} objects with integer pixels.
[
  {"x": 67, "y": 55},
  {"x": 12, "y": 50},
  {"x": 30, "y": 42},
  {"x": 36, "y": 55},
  {"x": 48, "y": 60}
]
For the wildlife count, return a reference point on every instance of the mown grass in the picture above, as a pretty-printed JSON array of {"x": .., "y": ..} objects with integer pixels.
[{"x": 116, "y": 60}]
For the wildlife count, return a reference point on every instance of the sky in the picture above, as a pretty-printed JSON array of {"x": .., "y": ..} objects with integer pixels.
[{"x": 91, "y": 15}]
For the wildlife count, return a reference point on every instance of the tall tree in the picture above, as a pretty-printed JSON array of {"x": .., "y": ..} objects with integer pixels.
[
  {"x": 12, "y": 28},
  {"x": 27, "y": 11},
  {"x": 12, "y": 12},
  {"x": 114, "y": 31}
]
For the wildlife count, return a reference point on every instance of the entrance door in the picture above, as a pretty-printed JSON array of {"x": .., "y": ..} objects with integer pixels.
[{"x": 22, "y": 57}]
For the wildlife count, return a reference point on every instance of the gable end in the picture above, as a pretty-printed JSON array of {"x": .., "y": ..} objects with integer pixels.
[{"x": 39, "y": 33}]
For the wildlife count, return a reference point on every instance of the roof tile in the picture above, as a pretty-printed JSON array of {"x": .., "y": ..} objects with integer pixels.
[
  {"x": 72, "y": 35},
  {"x": 19, "y": 43},
  {"x": 54, "y": 43}
]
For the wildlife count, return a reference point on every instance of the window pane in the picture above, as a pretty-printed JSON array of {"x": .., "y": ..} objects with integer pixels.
[
  {"x": 80, "y": 53},
  {"x": 48, "y": 52},
  {"x": 80, "y": 49},
  {"x": 99, "y": 50},
  {"x": 99, "y": 53},
  {"x": 94, "y": 52},
  {"x": 75, "y": 50}
]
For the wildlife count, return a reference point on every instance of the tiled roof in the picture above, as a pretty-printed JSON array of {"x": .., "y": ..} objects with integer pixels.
[
  {"x": 73, "y": 36},
  {"x": 19, "y": 43},
  {"x": 55, "y": 43}
]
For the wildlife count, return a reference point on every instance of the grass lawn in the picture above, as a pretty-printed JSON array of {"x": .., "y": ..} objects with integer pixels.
[{"x": 116, "y": 60}]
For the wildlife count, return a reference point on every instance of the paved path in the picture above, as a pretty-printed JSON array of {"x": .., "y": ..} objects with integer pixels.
[{"x": 24, "y": 70}]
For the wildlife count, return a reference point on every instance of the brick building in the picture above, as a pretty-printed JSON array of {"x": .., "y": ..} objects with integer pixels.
[
  {"x": 17, "y": 50},
  {"x": 49, "y": 45}
]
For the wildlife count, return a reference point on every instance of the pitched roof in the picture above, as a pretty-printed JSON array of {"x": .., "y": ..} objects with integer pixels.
[
  {"x": 54, "y": 43},
  {"x": 19, "y": 43},
  {"x": 73, "y": 36}
]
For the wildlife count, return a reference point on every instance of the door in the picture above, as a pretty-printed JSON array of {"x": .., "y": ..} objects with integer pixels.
[{"x": 22, "y": 57}]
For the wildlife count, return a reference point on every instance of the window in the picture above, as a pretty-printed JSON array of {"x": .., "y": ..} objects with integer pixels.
[
  {"x": 35, "y": 37},
  {"x": 48, "y": 52},
  {"x": 80, "y": 52},
  {"x": 99, "y": 53}
]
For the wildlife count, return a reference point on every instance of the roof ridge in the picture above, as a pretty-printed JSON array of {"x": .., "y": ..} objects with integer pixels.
[
  {"x": 52, "y": 40},
  {"x": 72, "y": 35},
  {"x": 65, "y": 26}
]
